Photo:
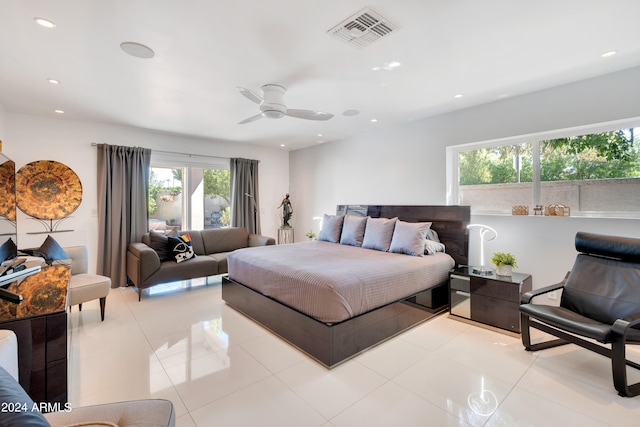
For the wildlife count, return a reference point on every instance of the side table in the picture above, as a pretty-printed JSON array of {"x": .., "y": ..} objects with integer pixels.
[
  {"x": 491, "y": 300},
  {"x": 285, "y": 235}
]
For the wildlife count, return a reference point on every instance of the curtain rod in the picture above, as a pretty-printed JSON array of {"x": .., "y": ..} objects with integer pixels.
[{"x": 179, "y": 154}]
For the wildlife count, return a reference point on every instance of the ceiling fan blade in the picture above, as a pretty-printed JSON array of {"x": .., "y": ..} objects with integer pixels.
[
  {"x": 250, "y": 95},
  {"x": 308, "y": 114},
  {"x": 251, "y": 119}
]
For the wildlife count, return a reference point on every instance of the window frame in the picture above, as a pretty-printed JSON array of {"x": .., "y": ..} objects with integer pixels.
[
  {"x": 453, "y": 166},
  {"x": 186, "y": 162}
]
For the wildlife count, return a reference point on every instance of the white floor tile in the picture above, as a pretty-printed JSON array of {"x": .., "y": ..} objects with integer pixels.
[
  {"x": 219, "y": 368},
  {"x": 331, "y": 391},
  {"x": 266, "y": 403},
  {"x": 392, "y": 405}
]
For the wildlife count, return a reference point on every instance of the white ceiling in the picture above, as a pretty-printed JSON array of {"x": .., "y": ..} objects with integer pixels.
[{"x": 204, "y": 49}]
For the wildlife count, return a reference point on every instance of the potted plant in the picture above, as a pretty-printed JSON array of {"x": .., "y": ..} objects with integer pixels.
[
  {"x": 504, "y": 262},
  {"x": 310, "y": 234}
]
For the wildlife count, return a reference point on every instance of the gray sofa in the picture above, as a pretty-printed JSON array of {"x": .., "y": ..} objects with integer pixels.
[{"x": 211, "y": 246}]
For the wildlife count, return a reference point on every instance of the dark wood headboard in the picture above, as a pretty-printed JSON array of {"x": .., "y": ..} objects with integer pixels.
[{"x": 450, "y": 222}]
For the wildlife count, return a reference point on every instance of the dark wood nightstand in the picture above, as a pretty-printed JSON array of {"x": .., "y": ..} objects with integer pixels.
[{"x": 491, "y": 300}]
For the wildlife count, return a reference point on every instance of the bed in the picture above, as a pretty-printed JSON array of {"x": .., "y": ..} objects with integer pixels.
[{"x": 365, "y": 297}]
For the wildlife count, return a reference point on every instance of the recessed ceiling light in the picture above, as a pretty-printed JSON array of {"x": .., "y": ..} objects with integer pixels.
[
  {"x": 609, "y": 53},
  {"x": 138, "y": 50},
  {"x": 374, "y": 120},
  {"x": 350, "y": 112},
  {"x": 319, "y": 134},
  {"x": 282, "y": 145},
  {"x": 54, "y": 81},
  {"x": 45, "y": 22},
  {"x": 58, "y": 111},
  {"x": 459, "y": 95}
]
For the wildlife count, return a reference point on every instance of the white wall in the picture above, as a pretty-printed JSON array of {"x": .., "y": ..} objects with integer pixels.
[
  {"x": 406, "y": 165},
  {"x": 28, "y": 138}
]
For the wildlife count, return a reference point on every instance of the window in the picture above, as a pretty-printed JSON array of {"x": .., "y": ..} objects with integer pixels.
[
  {"x": 593, "y": 172},
  {"x": 185, "y": 195}
]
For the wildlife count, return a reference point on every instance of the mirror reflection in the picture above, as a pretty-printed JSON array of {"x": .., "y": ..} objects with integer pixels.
[{"x": 8, "y": 231}]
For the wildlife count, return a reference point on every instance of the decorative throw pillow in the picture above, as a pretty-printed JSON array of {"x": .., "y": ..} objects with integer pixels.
[
  {"x": 181, "y": 248},
  {"x": 353, "y": 230},
  {"x": 431, "y": 247},
  {"x": 378, "y": 233},
  {"x": 20, "y": 409},
  {"x": 409, "y": 237},
  {"x": 8, "y": 250},
  {"x": 50, "y": 250},
  {"x": 160, "y": 243},
  {"x": 331, "y": 228}
]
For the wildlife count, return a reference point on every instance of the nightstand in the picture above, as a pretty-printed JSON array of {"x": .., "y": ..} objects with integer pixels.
[{"x": 491, "y": 300}]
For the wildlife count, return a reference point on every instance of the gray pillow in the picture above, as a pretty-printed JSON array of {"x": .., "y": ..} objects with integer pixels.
[
  {"x": 432, "y": 235},
  {"x": 378, "y": 233},
  {"x": 331, "y": 228},
  {"x": 409, "y": 238},
  {"x": 353, "y": 230},
  {"x": 20, "y": 410},
  {"x": 160, "y": 243},
  {"x": 50, "y": 250}
]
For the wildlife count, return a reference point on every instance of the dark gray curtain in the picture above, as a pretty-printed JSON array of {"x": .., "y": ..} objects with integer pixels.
[
  {"x": 245, "y": 207},
  {"x": 123, "y": 188}
]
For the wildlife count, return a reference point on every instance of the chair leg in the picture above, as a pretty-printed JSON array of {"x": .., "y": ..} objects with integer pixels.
[
  {"x": 80, "y": 306},
  {"x": 619, "y": 364},
  {"x": 526, "y": 325},
  {"x": 103, "y": 301}
]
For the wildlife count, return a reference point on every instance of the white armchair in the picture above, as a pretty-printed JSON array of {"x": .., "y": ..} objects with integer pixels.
[{"x": 139, "y": 413}]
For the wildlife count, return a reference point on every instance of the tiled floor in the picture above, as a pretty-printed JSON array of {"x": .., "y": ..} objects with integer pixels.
[{"x": 221, "y": 369}]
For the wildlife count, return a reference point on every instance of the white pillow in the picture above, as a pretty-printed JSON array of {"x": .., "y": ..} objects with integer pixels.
[
  {"x": 378, "y": 233},
  {"x": 331, "y": 228},
  {"x": 431, "y": 247},
  {"x": 409, "y": 238},
  {"x": 353, "y": 230}
]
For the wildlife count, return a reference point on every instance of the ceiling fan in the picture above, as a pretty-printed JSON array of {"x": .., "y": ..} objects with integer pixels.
[{"x": 272, "y": 105}]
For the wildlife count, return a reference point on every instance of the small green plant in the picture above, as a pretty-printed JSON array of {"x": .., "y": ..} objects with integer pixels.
[
  {"x": 310, "y": 234},
  {"x": 501, "y": 258}
]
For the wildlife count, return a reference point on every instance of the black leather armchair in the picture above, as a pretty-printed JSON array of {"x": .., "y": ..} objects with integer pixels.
[{"x": 600, "y": 302}]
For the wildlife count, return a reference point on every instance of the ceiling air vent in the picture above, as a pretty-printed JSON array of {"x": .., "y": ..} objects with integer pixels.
[{"x": 363, "y": 28}]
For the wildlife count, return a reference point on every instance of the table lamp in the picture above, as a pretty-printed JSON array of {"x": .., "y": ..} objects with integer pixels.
[{"x": 486, "y": 234}]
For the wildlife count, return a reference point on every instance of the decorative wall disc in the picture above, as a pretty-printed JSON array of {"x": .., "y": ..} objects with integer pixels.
[
  {"x": 47, "y": 190},
  {"x": 7, "y": 190}
]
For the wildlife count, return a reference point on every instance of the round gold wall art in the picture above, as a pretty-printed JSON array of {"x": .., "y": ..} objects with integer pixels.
[
  {"x": 7, "y": 190},
  {"x": 47, "y": 190}
]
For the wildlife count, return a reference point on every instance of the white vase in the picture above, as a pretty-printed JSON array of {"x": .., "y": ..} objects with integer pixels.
[{"x": 504, "y": 270}]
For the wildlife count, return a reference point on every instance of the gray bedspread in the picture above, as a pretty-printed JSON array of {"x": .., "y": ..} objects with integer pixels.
[{"x": 332, "y": 282}]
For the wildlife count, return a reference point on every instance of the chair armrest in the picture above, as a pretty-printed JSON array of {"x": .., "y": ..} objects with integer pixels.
[
  {"x": 259, "y": 240},
  {"x": 528, "y": 296},
  {"x": 621, "y": 326},
  {"x": 142, "y": 262}
]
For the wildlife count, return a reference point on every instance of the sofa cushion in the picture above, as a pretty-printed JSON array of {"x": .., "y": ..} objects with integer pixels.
[
  {"x": 221, "y": 259},
  {"x": 196, "y": 240},
  {"x": 218, "y": 240},
  {"x": 170, "y": 271},
  {"x": 20, "y": 410}
]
